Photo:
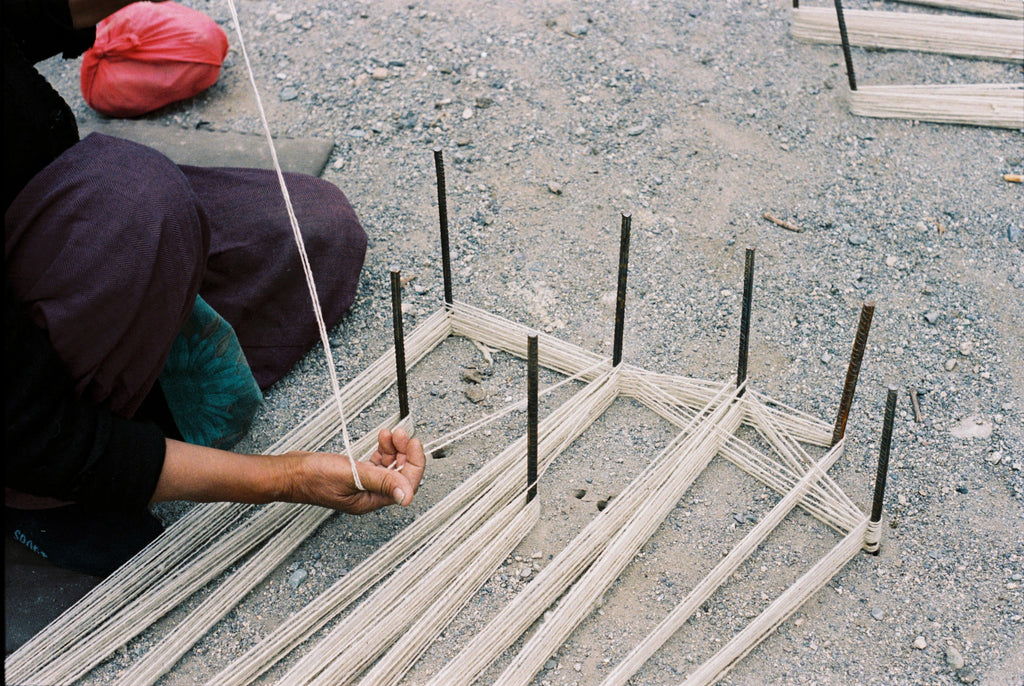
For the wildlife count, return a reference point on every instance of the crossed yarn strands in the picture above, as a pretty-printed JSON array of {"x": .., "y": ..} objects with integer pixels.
[{"x": 385, "y": 635}]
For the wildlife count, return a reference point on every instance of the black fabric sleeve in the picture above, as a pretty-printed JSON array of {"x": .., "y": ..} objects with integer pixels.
[
  {"x": 38, "y": 124},
  {"x": 43, "y": 28},
  {"x": 60, "y": 445}
]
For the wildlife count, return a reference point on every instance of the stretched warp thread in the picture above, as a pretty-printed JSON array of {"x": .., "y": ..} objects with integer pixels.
[
  {"x": 1011, "y": 9},
  {"x": 159, "y": 660},
  {"x": 684, "y": 388},
  {"x": 721, "y": 572},
  {"x": 692, "y": 456},
  {"x": 977, "y": 37},
  {"x": 556, "y": 431},
  {"x": 562, "y": 571},
  {"x": 301, "y": 245},
  {"x": 995, "y": 105},
  {"x": 174, "y": 564}
]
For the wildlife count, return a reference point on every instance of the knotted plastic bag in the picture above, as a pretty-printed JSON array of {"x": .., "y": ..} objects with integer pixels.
[{"x": 150, "y": 54}]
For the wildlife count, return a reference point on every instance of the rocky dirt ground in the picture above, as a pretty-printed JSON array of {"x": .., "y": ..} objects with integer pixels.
[{"x": 697, "y": 118}]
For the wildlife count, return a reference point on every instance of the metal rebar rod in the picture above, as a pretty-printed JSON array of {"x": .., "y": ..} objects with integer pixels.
[
  {"x": 442, "y": 214},
  {"x": 853, "y": 370},
  {"x": 748, "y": 298},
  {"x": 620, "y": 299},
  {"x": 396, "y": 316},
  {"x": 883, "y": 454},
  {"x": 532, "y": 395},
  {"x": 845, "y": 39}
]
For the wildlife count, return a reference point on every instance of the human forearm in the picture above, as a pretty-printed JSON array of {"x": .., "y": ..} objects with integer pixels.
[
  {"x": 391, "y": 476},
  {"x": 203, "y": 474}
]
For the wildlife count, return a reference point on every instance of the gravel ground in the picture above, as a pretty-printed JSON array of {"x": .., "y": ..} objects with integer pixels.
[{"x": 697, "y": 118}]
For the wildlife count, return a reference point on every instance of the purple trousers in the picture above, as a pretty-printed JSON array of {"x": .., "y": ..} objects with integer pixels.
[{"x": 109, "y": 245}]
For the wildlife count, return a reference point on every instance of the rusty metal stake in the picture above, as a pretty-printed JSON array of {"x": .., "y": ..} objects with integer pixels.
[
  {"x": 853, "y": 370},
  {"x": 396, "y": 316},
  {"x": 748, "y": 298},
  {"x": 620, "y": 299},
  {"x": 845, "y": 39},
  {"x": 442, "y": 213},
  {"x": 883, "y": 455},
  {"x": 532, "y": 394}
]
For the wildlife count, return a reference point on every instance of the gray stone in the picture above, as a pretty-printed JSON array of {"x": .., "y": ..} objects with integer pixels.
[
  {"x": 966, "y": 675},
  {"x": 953, "y": 658},
  {"x": 297, "y": 577},
  {"x": 288, "y": 93},
  {"x": 857, "y": 238}
]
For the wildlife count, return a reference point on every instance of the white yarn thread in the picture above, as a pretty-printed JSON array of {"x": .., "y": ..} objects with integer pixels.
[{"x": 300, "y": 244}]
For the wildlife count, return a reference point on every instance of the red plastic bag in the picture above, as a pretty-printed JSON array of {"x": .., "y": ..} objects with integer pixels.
[{"x": 150, "y": 54}]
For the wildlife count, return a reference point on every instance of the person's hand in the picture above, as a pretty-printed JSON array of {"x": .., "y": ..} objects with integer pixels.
[
  {"x": 392, "y": 476},
  {"x": 202, "y": 474}
]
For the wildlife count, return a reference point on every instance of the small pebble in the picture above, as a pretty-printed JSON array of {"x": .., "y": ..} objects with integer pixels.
[
  {"x": 555, "y": 187},
  {"x": 475, "y": 394},
  {"x": 857, "y": 239},
  {"x": 953, "y": 658},
  {"x": 966, "y": 675},
  {"x": 920, "y": 643},
  {"x": 297, "y": 577},
  {"x": 931, "y": 317}
]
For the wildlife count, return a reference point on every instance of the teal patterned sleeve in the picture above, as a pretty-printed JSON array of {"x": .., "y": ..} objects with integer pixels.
[{"x": 209, "y": 388}]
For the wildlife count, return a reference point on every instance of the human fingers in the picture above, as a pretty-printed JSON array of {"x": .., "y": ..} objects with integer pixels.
[
  {"x": 415, "y": 461},
  {"x": 387, "y": 483},
  {"x": 385, "y": 455}
]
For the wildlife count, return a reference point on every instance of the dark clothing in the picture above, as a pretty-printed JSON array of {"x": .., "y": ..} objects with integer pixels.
[
  {"x": 107, "y": 244},
  {"x": 58, "y": 443},
  {"x": 38, "y": 124}
]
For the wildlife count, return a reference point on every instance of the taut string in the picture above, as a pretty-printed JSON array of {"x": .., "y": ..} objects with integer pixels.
[{"x": 300, "y": 244}]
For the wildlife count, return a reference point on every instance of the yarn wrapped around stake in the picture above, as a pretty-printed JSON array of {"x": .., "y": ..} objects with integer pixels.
[{"x": 148, "y": 55}]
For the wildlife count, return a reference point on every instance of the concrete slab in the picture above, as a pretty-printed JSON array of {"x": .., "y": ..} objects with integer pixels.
[{"x": 218, "y": 149}]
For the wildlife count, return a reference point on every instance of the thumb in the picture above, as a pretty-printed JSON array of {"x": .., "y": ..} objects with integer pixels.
[{"x": 385, "y": 482}]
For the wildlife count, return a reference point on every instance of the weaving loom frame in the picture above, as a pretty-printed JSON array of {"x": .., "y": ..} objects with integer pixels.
[{"x": 451, "y": 321}]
